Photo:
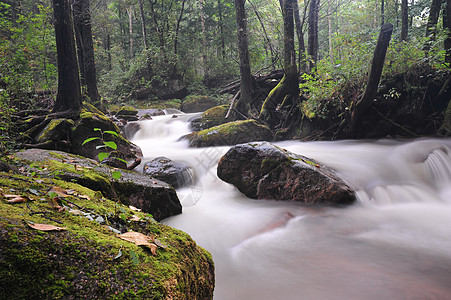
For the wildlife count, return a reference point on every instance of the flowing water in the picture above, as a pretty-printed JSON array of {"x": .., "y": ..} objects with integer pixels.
[{"x": 393, "y": 243}]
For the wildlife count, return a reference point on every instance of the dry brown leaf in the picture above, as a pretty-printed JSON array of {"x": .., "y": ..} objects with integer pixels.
[
  {"x": 46, "y": 227},
  {"x": 84, "y": 197},
  {"x": 16, "y": 198},
  {"x": 140, "y": 240},
  {"x": 71, "y": 192}
]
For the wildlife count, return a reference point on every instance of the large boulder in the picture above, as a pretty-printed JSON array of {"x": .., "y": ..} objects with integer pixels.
[
  {"x": 127, "y": 113},
  {"x": 211, "y": 117},
  {"x": 170, "y": 89},
  {"x": 174, "y": 173},
  {"x": 132, "y": 188},
  {"x": 68, "y": 246},
  {"x": 231, "y": 133},
  {"x": 265, "y": 171}
]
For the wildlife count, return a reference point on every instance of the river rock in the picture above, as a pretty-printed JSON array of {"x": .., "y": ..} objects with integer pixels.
[
  {"x": 231, "y": 133},
  {"x": 197, "y": 103},
  {"x": 211, "y": 117},
  {"x": 127, "y": 113},
  {"x": 132, "y": 188},
  {"x": 174, "y": 173},
  {"x": 265, "y": 171}
]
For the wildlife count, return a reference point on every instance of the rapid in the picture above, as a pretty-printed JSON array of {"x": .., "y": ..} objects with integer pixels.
[{"x": 393, "y": 243}]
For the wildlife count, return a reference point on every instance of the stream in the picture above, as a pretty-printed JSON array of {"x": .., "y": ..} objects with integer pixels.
[{"x": 393, "y": 243}]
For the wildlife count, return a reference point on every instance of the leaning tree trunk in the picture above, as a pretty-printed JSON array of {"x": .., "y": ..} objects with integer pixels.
[
  {"x": 366, "y": 101},
  {"x": 313, "y": 45},
  {"x": 83, "y": 32},
  {"x": 243, "y": 105},
  {"x": 68, "y": 97},
  {"x": 288, "y": 87}
]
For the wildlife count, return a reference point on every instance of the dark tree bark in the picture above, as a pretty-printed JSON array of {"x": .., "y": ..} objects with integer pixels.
[
  {"x": 447, "y": 25},
  {"x": 288, "y": 88},
  {"x": 431, "y": 27},
  {"x": 246, "y": 89},
  {"x": 85, "y": 46},
  {"x": 69, "y": 93},
  {"x": 313, "y": 45},
  {"x": 377, "y": 65},
  {"x": 382, "y": 12},
  {"x": 300, "y": 34},
  {"x": 404, "y": 20}
]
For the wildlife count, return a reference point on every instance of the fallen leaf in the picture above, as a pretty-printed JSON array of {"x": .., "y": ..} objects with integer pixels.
[
  {"x": 84, "y": 197},
  {"x": 140, "y": 240},
  {"x": 16, "y": 199},
  {"x": 59, "y": 191},
  {"x": 159, "y": 244},
  {"x": 45, "y": 227},
  {"x": 70, "y": 192},
  {"x": 135, "y": 218},
  {"x": 134, "y": 208}
]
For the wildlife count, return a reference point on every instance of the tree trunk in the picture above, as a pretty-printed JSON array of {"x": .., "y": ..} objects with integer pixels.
[
  {"x": 86, "y": 62},
  {"x": 404, "y": 20},
  {"x": 447, "y": 26},
  {"x": 130, "y": 12},
  {"x": 288, "y": 88},
  {"x": 158, "y": 29},
  {"x": 268, "y": 40},
  {"x": 382, "y": 12},
  {"x": 221, "y": 30},
  {"x": 300, "y": 34},
  {"x": 312, "y": 48},
  {"x": 177, "y": 27},
  {"x": 431, "y": 27},
  {"x": 69, "y": 92},
  {"x": 243, "y": 105},
  {"x": 204, "y": 39},
  {"x": 143, "y": 24},
  {"x": 329, "y": 23},
  {"x": 366, "y": 101}
]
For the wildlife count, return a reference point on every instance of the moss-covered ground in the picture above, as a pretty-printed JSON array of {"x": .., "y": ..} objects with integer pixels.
[{"x": 88, "y": 260}]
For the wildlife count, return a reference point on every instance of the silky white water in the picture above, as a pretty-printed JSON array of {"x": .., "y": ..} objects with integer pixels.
[{"x": 393, "y": 243}]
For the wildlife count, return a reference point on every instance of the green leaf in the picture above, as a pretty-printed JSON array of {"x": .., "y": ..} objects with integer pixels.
[
  {"x": 111, "y": 144},
  {"x": 120, "y": 159},
  {"x": 102, "y": 156},
  {"x": 90, "y": 140},
  {"x": 117, "y": 175},
  {"x": 134, "y": 257},
  {"x": 97, "y": 129},
  {"x": 111, "y": 132}
]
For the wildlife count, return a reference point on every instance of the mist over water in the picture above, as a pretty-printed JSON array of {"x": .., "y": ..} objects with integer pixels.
[{"x": 394, "y": 243}]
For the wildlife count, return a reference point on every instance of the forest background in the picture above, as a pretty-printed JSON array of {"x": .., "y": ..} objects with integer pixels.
[{"x": 141, "y": 45}]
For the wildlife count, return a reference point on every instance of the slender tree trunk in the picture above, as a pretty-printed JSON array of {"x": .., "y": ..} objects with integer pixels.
[
  {"x": 313, "y": 33},
  {"x": 431, "y": 27},
  {"x": 221, "y": 30},
  {"x": 243, "y": 104},
  {"x": 300, "y": 34},
  {"x": 143, "y": 24},
  {"x": 382, "y": 12},
  {"x": 85, "y": 45},
  {"x": 373, "y": 79},
  {"x": 329, "y": 23},
  {"x": 204, "y": 39},
  {"x": 177, "y": 27},
  {"x": 404, "y": 20},
  {"x": 448, "y": 26},
  {"x": 130, "y": 11},
  {"x": 158, "y": 29},
  {"x": 268, "y": 41},
  {"x": 69, "y": 92}
]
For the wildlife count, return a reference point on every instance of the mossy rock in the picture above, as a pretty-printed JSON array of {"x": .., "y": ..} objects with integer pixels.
[
  {"x": 197, "y": 103},
  {"x": 231, "y": 133},
  {"x": 88, "y": 107},
  {"x": 212, "y": 117},
  {"x": 132, "y": 188},
  {"x": 127, "y": 113},
  {"x": 56, "y": 130},
  {"x": 88, "y": 259},
  {"x": 84, "y": 129}
]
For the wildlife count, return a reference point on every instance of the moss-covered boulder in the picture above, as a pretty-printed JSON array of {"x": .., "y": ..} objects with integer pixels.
[
  {"x": 211, "y": 117},
  {"x": 197, "y": 103},
  {"x": 86, "y": 259},
  {"x": 265, "y": 171},
  {"x": 127, "y": 113},
  {"x": 151, "y": 195},
  {"x": 84, "y": 129},
  {"x": 56, "y": 130},
  {"x": 231, "y": 133}
]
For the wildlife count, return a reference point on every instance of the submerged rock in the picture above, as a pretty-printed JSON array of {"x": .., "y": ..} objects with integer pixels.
[
  {"x": 174, "y": 173},
  {"x": 265, "y": 171},
  {"x": 231, "y": 133},
  {"x": 132, "y": 188}
]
